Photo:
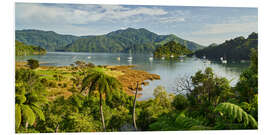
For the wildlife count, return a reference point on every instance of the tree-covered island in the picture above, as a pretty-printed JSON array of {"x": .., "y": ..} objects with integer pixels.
[{"x": 171, "y": 49}]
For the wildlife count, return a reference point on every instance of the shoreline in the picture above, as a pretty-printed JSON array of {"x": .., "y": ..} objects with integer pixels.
[{"x": 125, "y": 74}]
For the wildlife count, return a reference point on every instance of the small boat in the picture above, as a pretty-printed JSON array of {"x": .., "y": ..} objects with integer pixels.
[
  {"x": 118, "y": 58},
  {"x": 204, "y": 57},
  {"x": 221, "y": 58},
  {"x": 89, "y": 57},
  {"x": 162, "y": 57},
  {"x": 151, "y": 58},
  {"x": 224, "y": 61},
  {"x": 130, "y": 57},
  {"x": 172, "y": 56},
  {"x": 242, "y": 61}
]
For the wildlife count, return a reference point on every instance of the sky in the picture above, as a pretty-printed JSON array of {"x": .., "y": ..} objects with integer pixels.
[{"x": 203, "y": 25}]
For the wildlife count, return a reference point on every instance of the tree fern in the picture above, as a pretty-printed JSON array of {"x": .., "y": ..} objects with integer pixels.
[
  {"x": 28, "y": 114},
  {"x": 235, "y": 112},
  {"x": 18, "y": 117}
]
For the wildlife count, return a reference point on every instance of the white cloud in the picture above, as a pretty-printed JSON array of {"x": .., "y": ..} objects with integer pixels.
[
  {"x": 172, "y": 19},
  {"x": 36, "y": 13}
]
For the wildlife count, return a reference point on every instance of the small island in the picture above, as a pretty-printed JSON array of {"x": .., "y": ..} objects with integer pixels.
[
  {"x": 22, "y": 49},
  {"x": 171, "y": 49}
]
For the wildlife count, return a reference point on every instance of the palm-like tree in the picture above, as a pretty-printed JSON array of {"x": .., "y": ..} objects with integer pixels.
[
  {"x": 30, "y": 95},
  {"x": 97, "y": 80}
]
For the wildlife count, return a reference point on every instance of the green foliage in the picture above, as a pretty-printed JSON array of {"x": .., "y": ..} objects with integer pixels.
[
  {"x": 171, "y": 48},
  {"x": 247, "y": 87},
  {"x": 180, "y": 102},
  {"x": 234, "y": 112},
  {"x": 22, "y": 49},
  {"x": 30, "y": 95},
  {"x": 32, "y": 63},
  {"x": 233, "y": 50}
]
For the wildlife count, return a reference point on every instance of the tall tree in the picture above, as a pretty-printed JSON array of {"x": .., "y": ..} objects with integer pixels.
[
  {"x": 30, "y": 95},
  {"x": 98, "y": 81},
  {"x": 134, "y": 108}
]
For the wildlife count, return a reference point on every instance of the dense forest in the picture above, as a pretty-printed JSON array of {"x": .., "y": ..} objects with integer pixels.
[
  {"x": 24, "y": 50},
  {"x": 48, "y": 40},
  {"x": 236, "y": 49},
  {"x": 130, "y": 39},
  {"x": 96, "y": 101},
  {"x": 171, "y": 49}
]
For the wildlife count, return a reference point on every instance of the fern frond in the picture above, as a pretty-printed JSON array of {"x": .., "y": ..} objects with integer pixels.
[
  {"x": 28, "y": 114},
  {"x": 18, "y": 116},
  {"x": 38, "y": 112},
  {"x": 235, "y": 112}
]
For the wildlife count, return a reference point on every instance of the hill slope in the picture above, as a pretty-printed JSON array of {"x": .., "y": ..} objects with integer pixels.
[
  {"x": 23, "y": 50},
  {"x": 233, "y": 50},
  {"x": 136, "y": 40},
  {"x": 45, "y": 39}
]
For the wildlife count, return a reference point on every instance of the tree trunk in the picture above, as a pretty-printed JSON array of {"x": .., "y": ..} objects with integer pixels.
[
  {"x": 56, "y": 130},
  {"x": 134, "y": 108},
  {"x": 101, "y": 112},
  {"x": 26, "y": 125}
]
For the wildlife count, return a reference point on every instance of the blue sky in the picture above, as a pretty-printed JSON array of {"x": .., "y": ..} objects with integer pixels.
[{"x": 204, "y": 25}]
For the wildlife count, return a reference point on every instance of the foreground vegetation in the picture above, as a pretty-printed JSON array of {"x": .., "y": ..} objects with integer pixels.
[
  {"x": 24, "y": 50},
  {"x": 88, "y": 98}
]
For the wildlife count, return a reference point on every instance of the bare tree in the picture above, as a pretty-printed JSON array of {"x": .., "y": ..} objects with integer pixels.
[{"x": 183, "y": 85}]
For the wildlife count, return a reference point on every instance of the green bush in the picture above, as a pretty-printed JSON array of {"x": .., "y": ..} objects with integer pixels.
[
  {"x": 180, "y": 102},
  {"x": 32, "y": 63}
]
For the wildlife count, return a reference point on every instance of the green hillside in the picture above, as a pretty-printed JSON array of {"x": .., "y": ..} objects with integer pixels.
[
  {"x": 23, "y": 50},
  {"x": 45, "y": 39},
  {"x": 233, "y": 50},
  {"x": 137, "y": 40}
]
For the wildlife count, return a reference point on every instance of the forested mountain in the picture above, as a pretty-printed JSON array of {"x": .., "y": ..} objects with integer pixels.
[
  {"x": 171, "y": 49},
  {"x": 23, "y": 50},
  {"x": 45, "y": 39},
  {"x": 233, "y": 50},
  {"x": 136, "y": 40}
]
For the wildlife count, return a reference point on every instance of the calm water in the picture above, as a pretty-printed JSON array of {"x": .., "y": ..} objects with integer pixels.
[{"x": 168, "y": 70}]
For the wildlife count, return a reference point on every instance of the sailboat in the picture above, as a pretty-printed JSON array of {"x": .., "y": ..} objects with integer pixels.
[
  {"x": 130, "y": 57},
  {"x": 151, "y": 57}
]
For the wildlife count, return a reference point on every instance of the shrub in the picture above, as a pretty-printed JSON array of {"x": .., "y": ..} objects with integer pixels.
[
  {"x": 32, "y": 63},
  {"x": 180, "y": 102}
]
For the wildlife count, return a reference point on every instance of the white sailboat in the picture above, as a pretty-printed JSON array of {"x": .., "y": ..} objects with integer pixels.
[
  {"x": 224, "y": 61},
  {"x": 130, "y": 57},
  {"x": 151, "y": 57}
]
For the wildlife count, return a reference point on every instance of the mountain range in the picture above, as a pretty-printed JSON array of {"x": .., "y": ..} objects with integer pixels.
[{"x": 130, "y": 39}]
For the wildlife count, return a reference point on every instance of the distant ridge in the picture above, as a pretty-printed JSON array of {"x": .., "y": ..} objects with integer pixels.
[
  {"x": 236, "y": 49},
  {"x": 137, "y": 40}
]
